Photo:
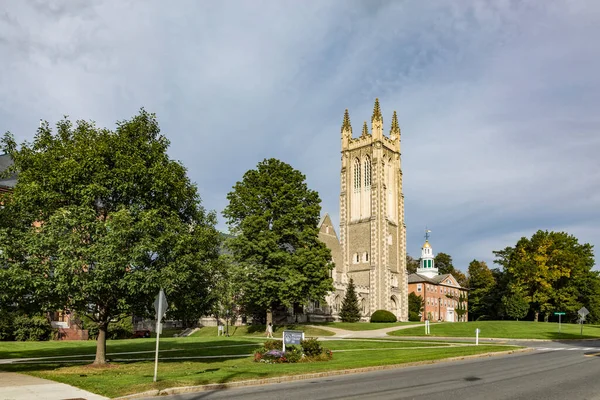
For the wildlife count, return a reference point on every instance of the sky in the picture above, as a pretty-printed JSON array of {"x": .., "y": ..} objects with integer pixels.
[{"x": 498, "y": 101}]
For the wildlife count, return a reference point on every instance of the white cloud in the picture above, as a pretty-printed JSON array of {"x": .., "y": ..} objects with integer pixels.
[{"x": 497, "y": 100}]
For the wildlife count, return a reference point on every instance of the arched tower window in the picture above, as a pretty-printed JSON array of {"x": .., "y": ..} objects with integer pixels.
[
  {"x": 356, "y": 175},
  {"x": 391, "y": 190},
  {"x": 367, "y": 173},
  {"x": 365, "y": 200},
  {"x": 355, "y": 202}
]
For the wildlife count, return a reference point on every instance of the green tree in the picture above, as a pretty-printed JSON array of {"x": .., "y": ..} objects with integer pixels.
[
  {"x": 350, "y": 311},
  {"x": 273, "y": 216},
  {"x": 481, "y": 284},
  {"x": 415, "y": 307},
  {"x": 443, "y": 262},
  {"x": 549, "y": 269},
  {"x": 411, "y": 265},
  {"x": 516, "y": 305},
  {"x": 100, "y": 220}
]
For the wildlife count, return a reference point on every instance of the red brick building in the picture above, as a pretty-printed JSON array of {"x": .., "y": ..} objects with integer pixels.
[{"x": 443, "y": 298}]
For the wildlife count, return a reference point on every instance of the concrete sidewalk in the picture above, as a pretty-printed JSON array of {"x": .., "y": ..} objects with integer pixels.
[
  {"x": 24, "y": 387},
  {"x": 374, "y": 333}
]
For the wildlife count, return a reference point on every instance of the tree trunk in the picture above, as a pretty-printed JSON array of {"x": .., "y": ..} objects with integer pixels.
[
  {"x": 536, "y": 316},
  {"x": 269, "y": 316},
  {"x": 101, "y": 345},
  {"x": 546, "y": 317}
]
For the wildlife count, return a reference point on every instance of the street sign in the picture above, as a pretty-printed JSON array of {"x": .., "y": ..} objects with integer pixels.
[
  {"x": 160, "y": 305},
  {"x": 559, "y": 313},
  {"x": 583, "y": 312},
  {"x": 292, "y": 337}
]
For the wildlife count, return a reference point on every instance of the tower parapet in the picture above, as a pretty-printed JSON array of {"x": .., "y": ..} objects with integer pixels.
[{"x": 366, "y": 138}]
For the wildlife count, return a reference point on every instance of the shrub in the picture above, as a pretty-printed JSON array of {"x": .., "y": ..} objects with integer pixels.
[
  {"x": 311, "y": 347},
  {"x": 6, "y": 326},
  {"x": 273, "y": 345},
  {"x": 33, "y": 328},
  {"x": 383, "y": 316},
  {"x": 414, "y": 316},
  {"x": 293, "y": 354}
]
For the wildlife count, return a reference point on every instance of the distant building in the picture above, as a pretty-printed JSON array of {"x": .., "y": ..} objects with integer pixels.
[
  {"x": 69, "y": 326},
  {"x": 441, "y": 294},
  {"x": 6, "y": 183}
]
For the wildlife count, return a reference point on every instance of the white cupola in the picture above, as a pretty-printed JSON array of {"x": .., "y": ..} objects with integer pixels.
[{"x": 427, "y": 266}]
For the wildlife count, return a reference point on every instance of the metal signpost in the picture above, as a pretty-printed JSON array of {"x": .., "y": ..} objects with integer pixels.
[
  {"x": 292, "y": 337},
  {"x": 560, "y": 314},
  {"x": 160, "y": 305},
  {"x": 477, "y": 336},
  {"x": 427, "y": 331},
  {"x": 582, "y": 313}
]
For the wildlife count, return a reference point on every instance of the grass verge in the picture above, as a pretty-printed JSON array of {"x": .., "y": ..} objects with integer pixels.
[
  {"x": 505, "y": 329},
  {"x": 134, "y": 372}
]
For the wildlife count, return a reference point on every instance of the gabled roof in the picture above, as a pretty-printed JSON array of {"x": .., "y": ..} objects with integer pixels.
[
  {"x": 436, "y": 280},
  {"x": 10, "y": 181}
]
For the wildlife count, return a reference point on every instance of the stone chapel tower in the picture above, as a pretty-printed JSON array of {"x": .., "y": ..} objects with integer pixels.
[{"x": 372, "y": 229}]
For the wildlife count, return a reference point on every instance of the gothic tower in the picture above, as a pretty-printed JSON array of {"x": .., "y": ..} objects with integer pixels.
[{"x": 372, "y": 229}]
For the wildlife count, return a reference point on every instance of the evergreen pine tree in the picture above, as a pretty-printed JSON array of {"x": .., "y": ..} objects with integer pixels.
[{"x": 350, "y": 311}]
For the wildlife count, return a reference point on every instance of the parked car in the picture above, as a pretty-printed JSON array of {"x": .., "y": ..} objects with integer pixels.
[{"x": 144, "y": 333}]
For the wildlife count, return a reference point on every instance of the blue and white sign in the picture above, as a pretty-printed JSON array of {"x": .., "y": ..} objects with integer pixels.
[{"x": 292, "y": 337}]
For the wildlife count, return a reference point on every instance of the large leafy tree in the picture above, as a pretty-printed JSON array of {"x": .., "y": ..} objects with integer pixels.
[
  {"x": 516, "y": 305},
  {"x": 551, "y": 269},
  {"x": 273, "y": 216},
  {"x": 481, "y": 284},
  {"x": 350, "y": 311},
  {"x": 99, "y": 220}
]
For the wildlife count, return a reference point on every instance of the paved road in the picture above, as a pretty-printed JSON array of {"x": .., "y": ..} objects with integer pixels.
[{"x": 567, "y": 370}]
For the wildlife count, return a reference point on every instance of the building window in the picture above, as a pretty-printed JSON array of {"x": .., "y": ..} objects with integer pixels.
[
  {"x": 365, "y": 257},
  {"x": 355, "y": 259},
  {"x": 419, "y": 287},
  {"x": 356, "y": 175},
  {"x": 367, "y": 173}
]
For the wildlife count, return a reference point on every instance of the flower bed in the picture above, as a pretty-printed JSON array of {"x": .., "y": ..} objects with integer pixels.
[{"x": 309, "y": 351}]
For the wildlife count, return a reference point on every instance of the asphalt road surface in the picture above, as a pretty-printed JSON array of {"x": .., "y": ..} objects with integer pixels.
[{"x": 567, "y": 370}]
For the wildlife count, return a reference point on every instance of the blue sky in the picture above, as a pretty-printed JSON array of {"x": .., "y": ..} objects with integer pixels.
[{"x": 498, "y": 101}]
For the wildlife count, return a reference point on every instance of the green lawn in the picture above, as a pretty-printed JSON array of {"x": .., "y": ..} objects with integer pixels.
[
  {"x": 364, "y": 326},
  {"x": 132, "y": 373},
  {"x": 259, "y": 331},
  {"x": 505, "y": 329}
]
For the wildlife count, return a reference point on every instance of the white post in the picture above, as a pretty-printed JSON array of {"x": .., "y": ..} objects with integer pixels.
[
  {"x": 559, "y": 315},
  {"x": 157, "y": 336},
  {"x": 477, "y": 337}
]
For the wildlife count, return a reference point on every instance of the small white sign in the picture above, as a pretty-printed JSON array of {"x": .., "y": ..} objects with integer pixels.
[
  {"x": 583, "y": 312},
  {"x": 160, "y": 305}
]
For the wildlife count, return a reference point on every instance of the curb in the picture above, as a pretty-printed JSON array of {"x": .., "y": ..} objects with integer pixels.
[
  {"x": 292, "y": 378},
  {"x": 483, "y": 340}
]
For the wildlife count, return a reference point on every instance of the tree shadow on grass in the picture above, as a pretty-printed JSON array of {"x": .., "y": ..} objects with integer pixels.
[{"x": 63, "y": 351}]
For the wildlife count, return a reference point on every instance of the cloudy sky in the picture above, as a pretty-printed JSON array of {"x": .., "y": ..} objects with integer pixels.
[{"x": 498, "y": 101}]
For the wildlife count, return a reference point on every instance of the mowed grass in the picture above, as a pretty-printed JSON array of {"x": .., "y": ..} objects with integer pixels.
[
  {"x": 505, "y": 329},
  {"x": 259, "y": 331},
  {"x": 364, "y": 326},
  {"x": 132, "y": 373}
]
